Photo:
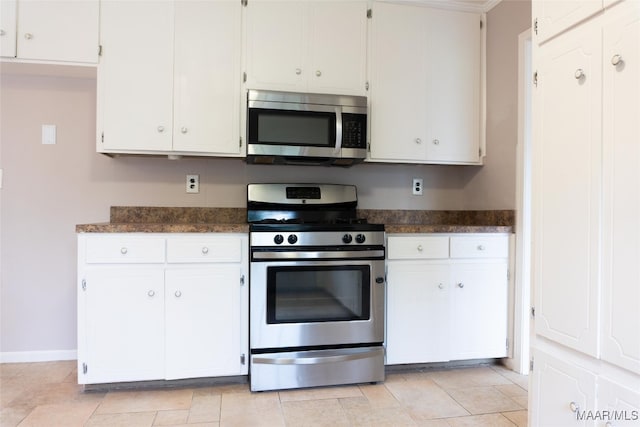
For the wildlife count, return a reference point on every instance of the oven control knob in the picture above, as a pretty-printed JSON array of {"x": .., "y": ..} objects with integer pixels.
[
  {"x": 360, "y": 238},
  {"x": 347, "y": 238},
  {"x": 278, "y": 239},
  {"x": 292, "y": 238}
]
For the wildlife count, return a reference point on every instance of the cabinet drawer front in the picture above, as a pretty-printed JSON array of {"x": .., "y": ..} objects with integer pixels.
[
  {"x": 479, "y": 246},
  {"x": 108, "y": 250},
  {"x": 204, "y": 249},
  {"x": 417, "y": 247}
]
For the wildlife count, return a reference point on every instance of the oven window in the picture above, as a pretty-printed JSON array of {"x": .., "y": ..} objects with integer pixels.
[
  {"x": 292, "y": 127},
  {"x": 306, "y": 294}
]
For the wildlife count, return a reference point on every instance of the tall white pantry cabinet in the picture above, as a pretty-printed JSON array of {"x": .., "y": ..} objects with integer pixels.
[{"x": 586, "y": 214}]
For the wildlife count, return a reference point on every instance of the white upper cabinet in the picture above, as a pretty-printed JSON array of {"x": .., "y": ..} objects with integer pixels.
[
  {"x": 426, "y": 78},
  {"x": 8, "y": 28},
  {"x": 307, "y": 46},
  {"x": 169, "y": 78},
  {"x": 50, "y": 30},
  {"x": 551, "y": 18}
]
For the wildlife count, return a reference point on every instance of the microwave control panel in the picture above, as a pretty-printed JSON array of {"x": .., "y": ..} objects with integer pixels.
[{"x": 354, "y": 133}]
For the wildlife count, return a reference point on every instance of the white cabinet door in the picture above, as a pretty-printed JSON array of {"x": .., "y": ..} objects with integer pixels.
[
  {"x": 276, "y": 45},
  {"x": 425, "y": 96},
  {"x": 418, "y": 309},
  {"x": 566, "y": 189},
  {"x": 618, "y": 401},
  {"x": 337, "y": 47},
  {"x": 399, "y": 83},
  {"x": 58, "y": 30},
  {"x": 203, "y": 321},
  {"x": 122, "y": 310},
  {"x": 207, "y": 73},
  {"x": 553, "y": 17},
  {"x": 560, "y": 392},
  {"x": 479, "y": 310},
  {"x": 307, "y": 46},
  {"x": 8, "y": 28},
  {"x": 135, "y": 76},
  {"x": 621, "y": 210}
]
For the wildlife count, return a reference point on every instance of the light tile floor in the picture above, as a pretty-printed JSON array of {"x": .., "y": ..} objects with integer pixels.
[{"x": 46, "y": 394}]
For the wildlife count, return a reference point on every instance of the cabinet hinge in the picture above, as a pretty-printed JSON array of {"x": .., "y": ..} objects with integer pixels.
[
  {"x": 240, "y": 142},
  {"x": 84, "y": 368},
  {"x": 533, "y": 312},
  {"x": 369, "y": 13},
  {"x": 100, "y": 50},
  {"x": 242, "y": 280},
  {"x": 535, "y": 26},
  {"x": 507, "y": 344},
  {"x": 481, "y": 24},
  {"x": 535, "y": 79},
  {"x": 243, "y": 359},
  {"x": 508, "y": 274},
  {"x": 244, "y": 2},
  {"x": 480, "y": 152},
  {"x": 102, "y": 137},
  {"x": 244, "y": 77},
  {"x": 84, "y": 284},
  {"x": 531, "y": 365},
  {"x": 369, "y": 147},
  {"x": 366, "y": 85}
]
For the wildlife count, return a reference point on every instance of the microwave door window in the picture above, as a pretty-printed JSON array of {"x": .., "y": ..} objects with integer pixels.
[{"x": 297, "y": 128}]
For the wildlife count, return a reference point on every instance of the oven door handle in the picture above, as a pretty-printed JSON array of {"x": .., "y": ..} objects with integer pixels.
[
  {"x": 315, "y": 360},
  {"x": 292, "y": 255}
]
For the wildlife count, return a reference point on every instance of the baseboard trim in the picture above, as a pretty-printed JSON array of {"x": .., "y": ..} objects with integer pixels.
[{"x": 37, "y": 356}]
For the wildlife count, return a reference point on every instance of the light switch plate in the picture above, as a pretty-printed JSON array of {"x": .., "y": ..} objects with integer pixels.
[{"x": 48, "y": 134}]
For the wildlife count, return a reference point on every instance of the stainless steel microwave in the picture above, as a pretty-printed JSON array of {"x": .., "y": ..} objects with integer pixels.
[{"x": 299, "y": 128}]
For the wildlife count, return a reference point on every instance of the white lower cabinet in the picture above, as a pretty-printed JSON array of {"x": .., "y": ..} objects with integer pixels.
[
  {"x": 161, "y": 306},
  {"x": 446, "y": 297}
]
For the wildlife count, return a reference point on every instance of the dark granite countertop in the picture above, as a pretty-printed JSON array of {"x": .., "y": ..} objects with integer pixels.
[{"x": 136, "y": 219}]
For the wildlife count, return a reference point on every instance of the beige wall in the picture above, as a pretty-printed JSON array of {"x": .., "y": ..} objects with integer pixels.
[{"x": 48, "y": 189}]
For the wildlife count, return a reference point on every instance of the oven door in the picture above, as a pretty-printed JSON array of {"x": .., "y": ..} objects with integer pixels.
[{"x": 315, "y": 303}]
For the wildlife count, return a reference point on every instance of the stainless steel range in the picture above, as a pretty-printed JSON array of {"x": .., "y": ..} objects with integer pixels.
[{"x": 316, "y": 288}]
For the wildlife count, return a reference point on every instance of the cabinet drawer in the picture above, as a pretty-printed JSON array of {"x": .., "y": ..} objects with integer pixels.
[
  {"x": 204, "y": 249},
  {"x": 479, "y": 246},
  {"x": 417, "y": 247},
  {"x": 123, "y": 249}
]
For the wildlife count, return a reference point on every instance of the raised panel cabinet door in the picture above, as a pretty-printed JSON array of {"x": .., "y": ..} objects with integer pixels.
[
  {"x": 560, "y": 392},
  {"x": 123, "y": 313},
  {"x": 8, "y": 28},
  {"x": 479, "y": 311},
  {"x": 566, "y": 186},
  {"x": 620, "y": 402},
  {"x": 553, "y": 17},
  {"x": 418, "y": 306},
  {"x": 276, "y": 44},
  {"x": 399, "y": 75},
  {"x": 58, "y": 30},
  {"x": 207, "y": 77},
  {"x": 203, "y": 321},
  {"x": 337, "y": 47},
  {"x": 135, "y": 77},
  {"x": 621, "y": 212},
  {"x": 453, "y": 95}
]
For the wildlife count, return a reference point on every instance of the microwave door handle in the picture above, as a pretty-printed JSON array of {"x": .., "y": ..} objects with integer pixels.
[{"x": 338, "y": 146}]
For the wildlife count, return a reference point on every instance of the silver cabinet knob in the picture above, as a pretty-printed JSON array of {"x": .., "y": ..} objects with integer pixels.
[
  {"x": 178, "y": 294},
  {"x": 205, "y": 250},
  {"x": 418, "y": 141},
  {"x": 419, "y": 248},
  {"x": 123, "y": 251},
  {"x": 318, "y": 73},
  {"x": 480, "y": 247},
  {"x": 461, "y": 285},
  {"x": 440, "y": 286},
  {"x": 151, "y": 293},
  {"x": 298, "y": 71},
  {"x": 574, "y": 407},
  {"x": 617, "y": 59},
  {"x": 608, "y": 424},
  {"x": 436, "y": 142},
  {"x": 28, "y": 36},
  {"x": 578, "y": 74},
  {"x": 183, "y": 129},
  {"x": 160, "y": 129}
]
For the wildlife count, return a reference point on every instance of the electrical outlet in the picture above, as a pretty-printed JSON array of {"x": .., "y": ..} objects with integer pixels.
[
  {"x": 193, "y": 183},
  {"x": 417, "y": 186}
]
